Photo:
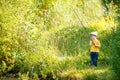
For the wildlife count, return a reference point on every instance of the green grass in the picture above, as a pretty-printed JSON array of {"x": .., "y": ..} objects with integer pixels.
[
  {"x": 72, "y": 68},
  {"x": 87, "y": 73}
]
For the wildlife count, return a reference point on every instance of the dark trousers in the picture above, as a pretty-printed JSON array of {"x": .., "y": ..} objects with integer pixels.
[{"x": 94, "y": 58}]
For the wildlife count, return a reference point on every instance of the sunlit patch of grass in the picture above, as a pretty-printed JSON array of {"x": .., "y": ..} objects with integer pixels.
[
  {"x": 72, "y": 68},
  {"x": 86, "y": 74},
  {"x": 70, "y": 74},
  {"x": 99, "y": 73}
]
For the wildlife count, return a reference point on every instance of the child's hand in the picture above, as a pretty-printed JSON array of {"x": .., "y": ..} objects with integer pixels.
[{"x": 95, "y": 44}]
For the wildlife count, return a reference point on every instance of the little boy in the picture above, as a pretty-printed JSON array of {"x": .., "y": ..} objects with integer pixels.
[{"x": 94, "y": 48}]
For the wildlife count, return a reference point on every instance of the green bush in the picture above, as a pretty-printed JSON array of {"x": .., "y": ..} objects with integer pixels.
[
  {"x": 115, "y": 49},
  {"x": 72, "y": 40},
  {"x": 111, "y": 43}
]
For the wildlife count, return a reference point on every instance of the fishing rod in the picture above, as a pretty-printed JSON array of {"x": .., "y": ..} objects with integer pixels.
[{"x": 80, "y": 21}]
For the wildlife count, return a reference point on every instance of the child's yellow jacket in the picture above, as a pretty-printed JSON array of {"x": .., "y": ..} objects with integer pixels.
[{"x": 93, "y": 48}]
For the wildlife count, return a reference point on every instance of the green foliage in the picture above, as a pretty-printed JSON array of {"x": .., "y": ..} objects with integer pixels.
[
  {"x": 114, "y": 6},
  {"x": 113, "y": 45},
  {"x": 45, "y": 38},
  {"x": 72, "y": 40},
  {"x": 6, "y": 42},
  {"x": 112, "y": 38}
]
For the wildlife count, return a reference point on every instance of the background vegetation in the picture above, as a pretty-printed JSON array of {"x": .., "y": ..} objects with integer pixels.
[{"x": 49, "y": 39}]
